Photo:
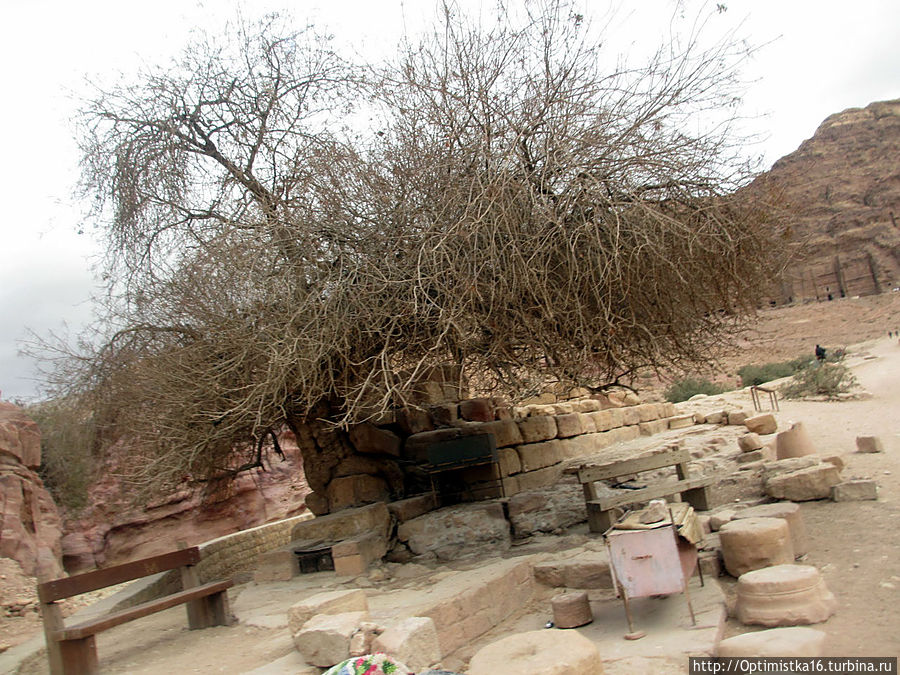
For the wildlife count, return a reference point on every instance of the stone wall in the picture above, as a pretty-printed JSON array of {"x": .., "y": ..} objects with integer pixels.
[
  {"x": 220, "y": 558},
  {"x": 380, "y": 461}
]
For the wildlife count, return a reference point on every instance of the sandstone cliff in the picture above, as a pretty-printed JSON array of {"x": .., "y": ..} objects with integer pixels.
[
  {"x": 843, "y": 189},
  {"x": 113, "y": 529},
  {"x": 30, "y": 528}
]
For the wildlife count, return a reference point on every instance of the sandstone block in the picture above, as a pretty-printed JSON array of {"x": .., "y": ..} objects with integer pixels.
[
  {"x": 869, "y": 444},
  {"x": 631, "y": 416},
  {"x": 413, "y": 640},
  {"x": 795, "y": 641},
  {"x": 588, "y": 426},
  {"x": 538, "y": 428},
  {"x": 450, "y": 531},
  {"x": 652, "y": 428},
  {"x": 668, "y": 409},
  {"x": 367, "y": 438},
  {"x": 356, "y": 490},
  {"x": 568, "y": 425},
  {"x": 789, "y": 512},
  {"x": 278, "y": 565},
  {"x": 316, "y": 503},
  {"x": 628, "y": 433},
  {"x": 412, "y": 507},
  {"x": 413, "y": 420},
  {"x": 353, "y": 556},
  {"x": 546, "y": 510},
  {"x": 477, "y": 409},
  {"x": 324, "y": 640},
  {"x": 534, "y": 480},
  {"x": 536, "y": 456},
  {"x": 836, "y": 460},
  {"x": 718, "y": 417},
  {"x": 789, "y": 465},
  {"x": 328, "y": 602},
  {"x": 753, "y": 543},
  {"x": 814, "y": 482},
  {"x": 761, "y": 424},
  {"x": 681, "y": 421},
  {"x": 750, "y": 442},
  {"x": 345, "y": 524},
  {"x": 541, "y": 652},
  {"x": 587, "y": 405},
  {"x": 506, "y": 432},
  {"x": 571, "y": 610},
  {"x": 737, "y": 417},
  {"x": 855, "y": 491},
  {"x": 783, "y": 595},
  {"x": 794, "y": 442},
  {"x": 444, "y": 414},
  {"x": 764, "y": 454},
  {"x": 616, "y": 418},
  {"x": 601, "y": 420},
  {"x": 351, "y": 565},
  {"x": 509, "y": 461},
  {"x": 587, "y": 570},
  {"x": 648, "y": 412}
]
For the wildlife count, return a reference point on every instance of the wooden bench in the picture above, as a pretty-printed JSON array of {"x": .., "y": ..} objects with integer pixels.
[
  {"x": 695, "y": 491},
  {"x": 72, "y": 650}
]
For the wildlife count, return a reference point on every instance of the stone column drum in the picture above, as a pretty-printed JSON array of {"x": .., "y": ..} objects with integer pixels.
[
  {"x": 790, "y": 512},
  {"x": 753, "y": 543},
  {"x": 791, "y": 641},
  {"x": 571, "y": 610},
  {"x": 539, "y": 652},
  {"x": 794, "y": 442},
  {"x": 783, "y": 595}
]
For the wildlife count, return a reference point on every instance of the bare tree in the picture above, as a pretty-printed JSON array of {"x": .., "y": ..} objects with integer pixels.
[{"x": 515, "y": 209}]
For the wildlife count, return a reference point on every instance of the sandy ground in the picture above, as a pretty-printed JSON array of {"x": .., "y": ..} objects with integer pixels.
[{"x": 854, "y": 544}]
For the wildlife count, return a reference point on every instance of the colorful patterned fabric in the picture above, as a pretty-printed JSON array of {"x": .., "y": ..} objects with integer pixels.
[{"x": 370, "y": 664}]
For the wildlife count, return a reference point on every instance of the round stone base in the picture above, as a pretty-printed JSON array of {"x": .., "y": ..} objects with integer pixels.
[
  {"x": 539, "y": 652},
  {"x": 787, "y": 510},
  {"x": 783, "y": 595},
  {"x": 793, "y": 641},
  {"x": 753, "y": 543}
]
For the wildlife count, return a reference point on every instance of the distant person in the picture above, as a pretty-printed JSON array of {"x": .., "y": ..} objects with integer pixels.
[{"x": 820, "y": 353}]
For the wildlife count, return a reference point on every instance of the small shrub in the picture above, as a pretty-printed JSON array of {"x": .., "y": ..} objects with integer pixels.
[
  {"x": 756, "y": 375},
  {"x": 67, "y": 437},
  {"x": 682, "y": 390},
  {"x": 820, "y": 379}
]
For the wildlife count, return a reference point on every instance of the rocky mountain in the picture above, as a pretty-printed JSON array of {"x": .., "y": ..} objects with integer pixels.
[{"x": 842, "y": 189}]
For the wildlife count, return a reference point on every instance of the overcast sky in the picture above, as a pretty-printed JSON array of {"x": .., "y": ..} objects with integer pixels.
[{"x": 822, "y": 56}]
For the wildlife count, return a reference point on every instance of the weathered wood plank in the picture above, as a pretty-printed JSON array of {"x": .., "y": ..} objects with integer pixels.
[
  {"x": 110, "y": 576},
  {"x": 652, "y": 492},
  {"x": 87, "y": 628},
  {"x": 637, "y": 465}
]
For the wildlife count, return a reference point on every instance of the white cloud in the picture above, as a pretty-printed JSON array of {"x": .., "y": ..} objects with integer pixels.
[{"x": 830, "y": 56}]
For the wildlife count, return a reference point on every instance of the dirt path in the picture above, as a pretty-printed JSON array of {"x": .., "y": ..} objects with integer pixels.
[{"x": 856, "y": 544}]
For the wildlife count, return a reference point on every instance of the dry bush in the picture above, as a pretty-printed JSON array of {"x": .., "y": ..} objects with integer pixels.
[{"x": 514, "y": 209}]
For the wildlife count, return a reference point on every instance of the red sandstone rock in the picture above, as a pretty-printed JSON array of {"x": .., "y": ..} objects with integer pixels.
[{"x": 30, "y": 529}]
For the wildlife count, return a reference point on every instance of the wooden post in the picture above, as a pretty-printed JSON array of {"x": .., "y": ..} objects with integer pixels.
[
  {"x": 79, "y": 657},
  {"x": 197, "y": 610}
]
